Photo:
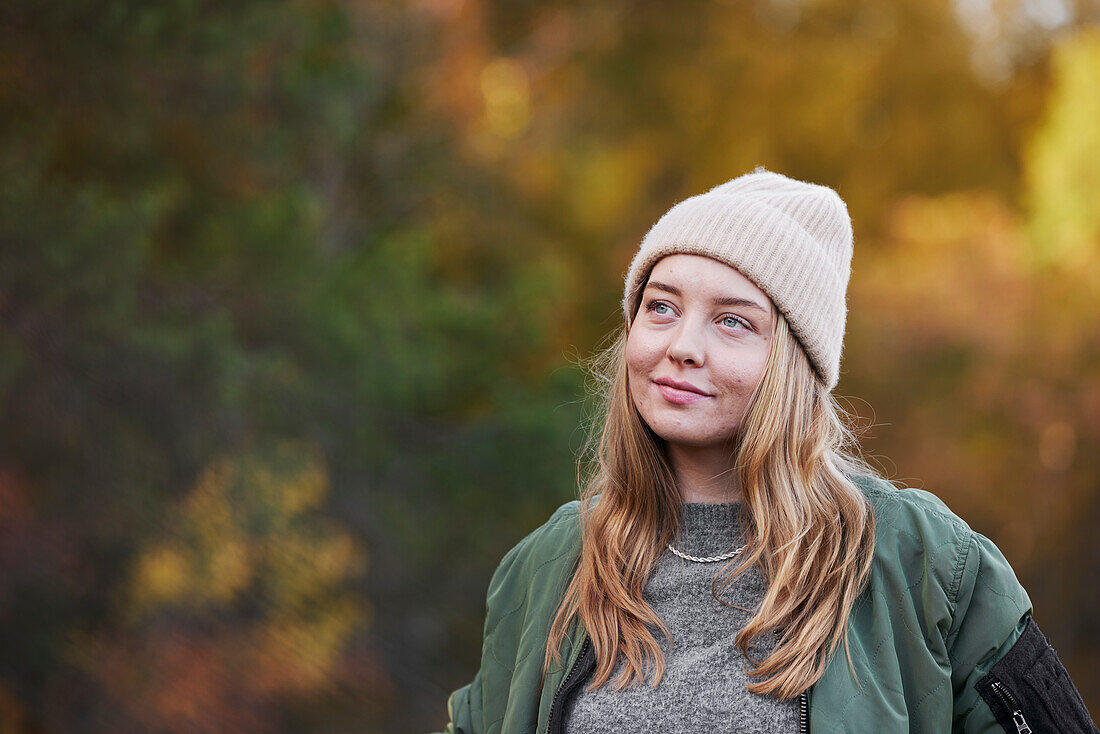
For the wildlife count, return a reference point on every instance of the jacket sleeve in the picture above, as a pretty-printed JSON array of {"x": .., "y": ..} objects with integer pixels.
[
  {"x": 995, "y": 644},
  {"x": 465, "y": 715},
  {"x": 506, "y": 596},
  {"x": 523, "y": 595},
  {"x": 991, "y": 610},
  {"x": 465, "y": 705}
]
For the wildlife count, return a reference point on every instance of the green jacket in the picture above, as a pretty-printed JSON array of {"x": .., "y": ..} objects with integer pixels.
[{"x": 942, "y": 606}]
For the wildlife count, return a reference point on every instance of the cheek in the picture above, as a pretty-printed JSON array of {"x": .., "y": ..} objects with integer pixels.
[
  {"x": 742, "y": 381},
  {"x": 757, "y": 372},
  {"x": 634, "y": 352},
  {"x": 638, "y": 366},
  {"x": 642, "y": 352}
]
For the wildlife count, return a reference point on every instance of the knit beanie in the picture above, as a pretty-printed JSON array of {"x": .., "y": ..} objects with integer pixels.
[{"x": 792, "y": 239}]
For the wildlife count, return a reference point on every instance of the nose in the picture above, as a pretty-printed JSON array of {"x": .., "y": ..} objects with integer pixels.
[{"x": 686, "y": 346}]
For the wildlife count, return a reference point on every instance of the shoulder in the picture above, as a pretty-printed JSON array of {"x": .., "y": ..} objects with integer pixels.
[
  {"x": 916, "y": 536},
  {"x": 901, "y": 511},
  {"x": 559, "y": 533},
  {"x": 913, "y": 525},
  {"x": 918, "y": 540}
]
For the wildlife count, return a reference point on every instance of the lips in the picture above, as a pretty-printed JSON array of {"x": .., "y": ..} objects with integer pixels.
[
  {"x": 681, "y": 386},
  {"x": 679, "y": 393}
]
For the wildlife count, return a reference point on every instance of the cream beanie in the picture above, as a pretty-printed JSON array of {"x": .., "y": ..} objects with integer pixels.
[{"x": 792, "y": 239}]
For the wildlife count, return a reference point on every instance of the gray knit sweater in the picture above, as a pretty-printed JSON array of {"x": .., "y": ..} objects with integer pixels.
[{"x": 703, "y": 688}]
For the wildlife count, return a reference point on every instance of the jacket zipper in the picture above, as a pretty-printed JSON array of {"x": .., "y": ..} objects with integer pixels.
[
  {"x": 804, "y": 712},
  {"x": 567, "y": 685},
  {"x": 1009, "y": 702}
]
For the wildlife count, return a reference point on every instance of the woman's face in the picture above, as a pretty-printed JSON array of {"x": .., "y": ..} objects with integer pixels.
[{"x": 696, "y": 349}]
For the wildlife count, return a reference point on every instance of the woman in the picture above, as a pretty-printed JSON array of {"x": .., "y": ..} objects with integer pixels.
[{"x": 732, "y": 566}]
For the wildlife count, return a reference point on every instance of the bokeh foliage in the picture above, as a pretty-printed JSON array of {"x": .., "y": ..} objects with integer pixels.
[{"x": 292, "y": 295}]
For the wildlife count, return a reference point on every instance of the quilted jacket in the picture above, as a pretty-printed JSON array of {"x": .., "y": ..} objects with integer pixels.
[{"x": 941, "y": 639}]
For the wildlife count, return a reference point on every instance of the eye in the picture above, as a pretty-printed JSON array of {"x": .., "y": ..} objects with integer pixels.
[
  {"x": 655, "y": 305},
  {"x": 735, "y": 322}
]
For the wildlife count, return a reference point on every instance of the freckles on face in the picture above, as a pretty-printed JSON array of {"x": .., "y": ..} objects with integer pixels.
[{"x": 697, "y": 348}]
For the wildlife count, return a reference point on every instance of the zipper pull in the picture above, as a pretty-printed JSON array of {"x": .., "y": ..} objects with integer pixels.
[{"x": 1009, "y": 702}]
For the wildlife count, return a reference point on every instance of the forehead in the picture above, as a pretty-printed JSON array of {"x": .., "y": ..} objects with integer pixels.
[{"x": 696, "y": 275}]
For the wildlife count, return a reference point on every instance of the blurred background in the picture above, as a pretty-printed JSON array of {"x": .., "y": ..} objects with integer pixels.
[{"x": 293, "y": 295}]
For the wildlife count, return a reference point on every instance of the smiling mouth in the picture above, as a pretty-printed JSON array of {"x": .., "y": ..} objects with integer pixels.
[{"x": 678, "y": 396}]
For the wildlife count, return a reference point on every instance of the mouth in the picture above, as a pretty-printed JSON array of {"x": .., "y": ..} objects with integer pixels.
[{"x": 680, "y": 393}]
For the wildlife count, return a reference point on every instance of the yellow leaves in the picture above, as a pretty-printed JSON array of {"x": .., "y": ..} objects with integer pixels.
[
  {"x": 949, "y": 220},
  {"x": 256, "y": 581},
  {"x": 306, "y": 564},
  {"x": 163, "y": 575},
  {"x": 295, "y": 654},
  {"x": 335, "y": 556},
  {"x": 1063, "y": 161},
  {"x": 985, "y": 351},
  {"x": 287, "y": 482},
  {"x": 229, "y": 569},
  {"x": 247, "y": 523},
  {"x": 946, "y": 260},
  {"x": 507, "y": 97},
  {"x": 607, "y": 181}
]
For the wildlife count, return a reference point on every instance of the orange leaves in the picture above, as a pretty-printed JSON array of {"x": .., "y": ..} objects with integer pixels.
[{"x": 254, "y": 582}]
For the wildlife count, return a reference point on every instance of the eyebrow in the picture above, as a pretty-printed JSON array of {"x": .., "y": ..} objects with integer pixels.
[{"x": 743, "y": 302}]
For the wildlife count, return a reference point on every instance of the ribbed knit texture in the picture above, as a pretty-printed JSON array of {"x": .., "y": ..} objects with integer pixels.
[
  {"x": 792, "y": 239},
  {"x": 703, "y": 688}
]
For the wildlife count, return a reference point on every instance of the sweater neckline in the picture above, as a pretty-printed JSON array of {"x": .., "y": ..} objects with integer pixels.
[{"x": 708, "y": 528}]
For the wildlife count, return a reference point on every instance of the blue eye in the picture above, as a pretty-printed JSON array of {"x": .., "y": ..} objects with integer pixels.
[
  {"x": 654, "y": 305},
  {"x": 734, "y": 322}
]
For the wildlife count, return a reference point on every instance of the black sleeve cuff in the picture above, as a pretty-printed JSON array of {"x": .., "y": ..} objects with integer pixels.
[{"x": 1029, "y": 690}]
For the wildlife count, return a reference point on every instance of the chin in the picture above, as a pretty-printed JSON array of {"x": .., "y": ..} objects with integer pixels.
[
  {"x": 699, "y": 444},
  {"x": 688, "y": 438}
]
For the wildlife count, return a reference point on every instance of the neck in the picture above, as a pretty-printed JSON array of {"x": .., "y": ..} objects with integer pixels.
[{"x": 704, "y": 474}]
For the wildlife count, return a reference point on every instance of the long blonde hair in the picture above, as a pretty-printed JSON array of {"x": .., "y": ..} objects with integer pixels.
[{"x": 810, "y": 529}]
